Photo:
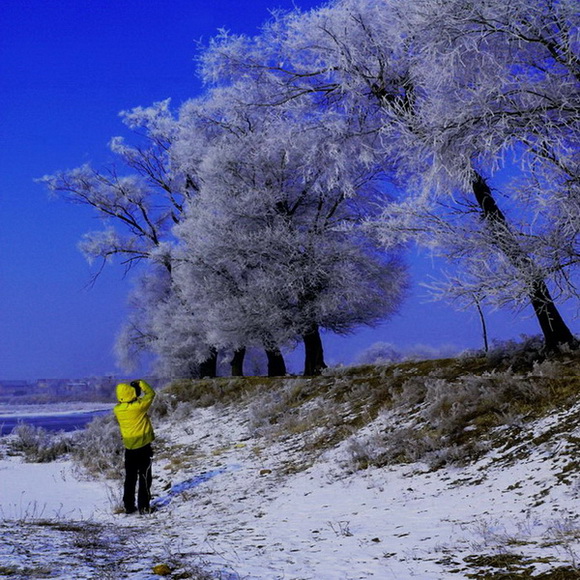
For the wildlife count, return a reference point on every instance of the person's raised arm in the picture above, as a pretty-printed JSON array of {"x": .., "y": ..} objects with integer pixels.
[{"x": 148, "y": 393}]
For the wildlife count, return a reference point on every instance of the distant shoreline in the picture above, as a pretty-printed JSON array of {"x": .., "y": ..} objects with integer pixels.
[
  {"x": 51, "y": 420},
  {"x": 65, "y": 408}
]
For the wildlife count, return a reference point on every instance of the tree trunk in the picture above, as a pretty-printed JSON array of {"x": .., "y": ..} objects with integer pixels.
[
  {"x": 208, "y": 368},
  {"x": 237, "y": 362},
  {"x": 276, "y": 364},
  {"x": 313, "y": 352},
  {"x": 555, "y": 330},
  {"x": 551, "y": 322},
  {"x": 483, "y": 325}
]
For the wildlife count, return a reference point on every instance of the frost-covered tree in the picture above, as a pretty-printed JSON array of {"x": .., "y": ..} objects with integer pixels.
[
  {"x": 139, "y": 209},
  {"x": 273, "y": 230},
  {"x": 496, "y": 79},
  {"x": 452, "y": 87}
]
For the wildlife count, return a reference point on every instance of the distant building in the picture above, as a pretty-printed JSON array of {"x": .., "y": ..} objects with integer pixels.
[
  {"x": 45, "y": 390},
  {"x": 48, "y": 387},
  {"x": 15, "y": 388}
]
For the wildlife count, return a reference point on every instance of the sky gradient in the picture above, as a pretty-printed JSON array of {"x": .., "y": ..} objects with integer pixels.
[{"x": 67, "y": 69}]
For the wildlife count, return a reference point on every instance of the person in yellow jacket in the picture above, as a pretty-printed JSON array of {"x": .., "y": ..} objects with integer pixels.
[{"x": 137, "y": 433}]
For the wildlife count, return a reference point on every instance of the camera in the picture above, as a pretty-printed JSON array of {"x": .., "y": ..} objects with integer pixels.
[{"x": 137, "y": 387}]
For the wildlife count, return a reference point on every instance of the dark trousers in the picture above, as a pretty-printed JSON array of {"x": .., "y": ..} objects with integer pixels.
[{"x": 137, "y": 469}]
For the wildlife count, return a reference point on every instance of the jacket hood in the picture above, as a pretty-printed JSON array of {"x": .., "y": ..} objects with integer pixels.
[{"x": 125, "y": 393}]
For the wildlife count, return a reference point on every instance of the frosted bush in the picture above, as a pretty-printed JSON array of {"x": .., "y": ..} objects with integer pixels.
[
  {"x": 512, "y": 352},
  {"x": 38, "y": 445},
  {"x": 263, "y": 412},
  {"x": 163, "y": 405},
  {"x": 547, "y": 369},
  {"x": 412, "y": 392},
  {"x": 452, "y": 404},
  {"x": 100, "y": 448},
  {"x": 401, "y": 445},
  {"x": 277, "y": 403}
]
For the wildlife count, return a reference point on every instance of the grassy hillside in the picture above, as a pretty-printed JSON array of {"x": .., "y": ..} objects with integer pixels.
[{"x": 437, "y": 411}]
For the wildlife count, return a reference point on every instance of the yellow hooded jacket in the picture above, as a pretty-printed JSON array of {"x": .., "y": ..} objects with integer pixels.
[{"x": 131, "y": 413}]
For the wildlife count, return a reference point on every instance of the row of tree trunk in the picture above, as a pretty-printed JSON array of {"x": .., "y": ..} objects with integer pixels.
[{"x": 313, "y": 359}]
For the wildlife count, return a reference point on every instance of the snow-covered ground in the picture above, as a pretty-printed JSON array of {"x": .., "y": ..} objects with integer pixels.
[
  {"x": 239, "y": 506},
  {"x": 32, "y": 491}
]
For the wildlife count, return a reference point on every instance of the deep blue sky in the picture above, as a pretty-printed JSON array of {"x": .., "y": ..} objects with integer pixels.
[{"x": 67, "y": 68}]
